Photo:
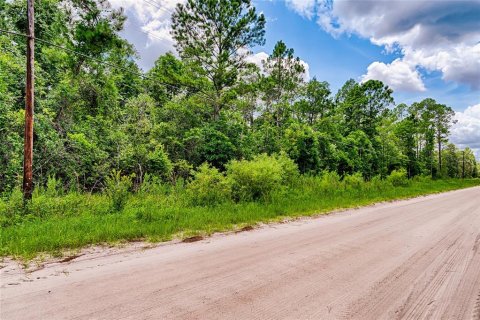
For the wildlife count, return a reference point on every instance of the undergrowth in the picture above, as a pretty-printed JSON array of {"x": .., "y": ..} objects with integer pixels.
[{"x": 212, "y": 201}]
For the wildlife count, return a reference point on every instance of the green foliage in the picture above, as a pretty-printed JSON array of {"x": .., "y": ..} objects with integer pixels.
[
  {"x": 167, "y": 69},
  {"x": 284, "y": 77},
  {"x": 144, "y": 215},
  {"x": 361, "y": 154},
  {"x": 210, "y": 145},
  {"x": 256, "y": 179},
  {"x": 158, "y": 162},
  {"x": 181, "y": 170},
  {"x": 208, "y": 186},
  {"x": 12, "y": 210},
  {"x": 290, "y": 171},
  {"x": 74, "y": 220},
  {"x": 11, "y": 118},
  {"x": 302, "y": 146},
  {"x": 54, "y": 187},
  {"x": 398, "y": 178},
  {"x": 376, "y": 184},
  {"x": 204, "y": 139},
  {"x": 152, "y": 184},
  {"x": 353, "y": 181},
  {"x": 315, "y": 103},
  {"x": 210, "y": 105},
  {"x": 212, "y": 34},
  {"x": 330, "y": 181},
  {"x": 117, "y": 189}
]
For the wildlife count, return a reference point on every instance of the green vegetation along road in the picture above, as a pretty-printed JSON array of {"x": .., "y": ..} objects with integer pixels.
[{"x": 412, "y": 259}]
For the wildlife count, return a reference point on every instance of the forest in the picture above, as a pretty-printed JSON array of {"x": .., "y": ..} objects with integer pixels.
[{"x": 203, "y": 122}]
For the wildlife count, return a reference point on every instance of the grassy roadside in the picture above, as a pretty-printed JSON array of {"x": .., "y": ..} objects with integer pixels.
[{"x": 74, "y": 220}]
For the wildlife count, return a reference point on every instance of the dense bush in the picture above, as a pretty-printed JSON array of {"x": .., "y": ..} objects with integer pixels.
[
  {"x": 376, "y": 183},
  {"x": 117, "y": 189},
  {"x": 208, "y": 187},
  {"x": 76, "y": 219},
  {"x": 398, "y": 178},
  {"x": 256, "y": 179},
  {"x": 152, "y": 184},
  {"x": 159, "y": 163},
  {"x": 353, "y": 181},
  {"x": 54, "y": 187},
  {"x": 301, "y": 144},
  {"x": 11, "y": 209},
  {"x": 330, "y": 181},
  {"x": 290, "y": 172}
]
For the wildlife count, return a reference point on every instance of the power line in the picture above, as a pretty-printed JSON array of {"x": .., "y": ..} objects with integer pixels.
[
  {"x": 148, "y": 32},
  {"x": 13, "y": 33},
  {"x": 157, "y": 5}
]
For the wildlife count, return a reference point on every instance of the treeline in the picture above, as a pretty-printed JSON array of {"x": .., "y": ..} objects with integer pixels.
[{"x": 97, "y": 111}]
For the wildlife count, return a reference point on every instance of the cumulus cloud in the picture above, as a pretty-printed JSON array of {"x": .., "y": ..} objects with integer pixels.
[
  {"x": 148, "y": 27},
  {"x": 459, "y": 63},
  {"x": 257, "y": 58},
  {"x": 466, "y": 132},
  {"x": 436, "y": 35},
  {"x": 305, "y": 8},
  {"x": 398, "y": 75}
]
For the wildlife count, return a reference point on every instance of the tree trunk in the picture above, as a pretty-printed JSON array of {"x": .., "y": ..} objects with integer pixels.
[{"x": 439, "y": 155}]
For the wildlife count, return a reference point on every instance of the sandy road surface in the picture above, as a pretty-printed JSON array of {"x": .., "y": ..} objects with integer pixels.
[{"x": 415, "y": 259}]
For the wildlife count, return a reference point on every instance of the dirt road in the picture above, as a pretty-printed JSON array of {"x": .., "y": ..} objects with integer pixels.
[{"x": 414, "y": 259}]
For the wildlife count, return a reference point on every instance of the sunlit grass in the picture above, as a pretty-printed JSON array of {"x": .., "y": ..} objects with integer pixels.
[{"x": 58, "y": 222}]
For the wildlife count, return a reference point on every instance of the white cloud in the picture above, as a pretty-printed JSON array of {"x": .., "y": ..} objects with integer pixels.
[
  {"x": 303, "y": 7},
  {"x": 257, "y": 58},
  {"x": 148, "y": 27},
  {"x": 460, "y": 63},
  {"x": 398, "y": 75},
  {"x": 306, "y": 73},
  {"x": 438, "y": 35},
  {"x": 466, "y": 132}
]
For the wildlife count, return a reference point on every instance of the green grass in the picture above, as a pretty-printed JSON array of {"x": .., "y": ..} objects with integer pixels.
[{"x": 55, "y": 223}]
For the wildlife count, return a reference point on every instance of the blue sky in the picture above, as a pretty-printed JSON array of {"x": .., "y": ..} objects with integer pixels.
[
  {"x": 419, "y": 48},
  {"x": 338, "y": 58},
  {"x": 331, "y": 59}
]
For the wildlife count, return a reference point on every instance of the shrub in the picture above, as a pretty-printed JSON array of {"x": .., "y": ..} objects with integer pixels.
[
  {"x": 301, "y": 141},
  {"x": 208, "y": 187},
  {"x": 12, "y": 210},
  {"x": 152, "y": 184},
  {"x": 353, "y": 181},
  {"x": 330, "y": 181},
  {"x": 257, "y": 178},
  {"x": 181, "y": 170},
  {"x": 158, "y": 162},
  {"x": 398, "y": 178},
  {"x": 54, "y": 187},
  {"x": 117, "y": 189},
  {"x": 209, "y": 145},
  {"x": 290, "y": 171},
  {"x": 376, "y": 183}
]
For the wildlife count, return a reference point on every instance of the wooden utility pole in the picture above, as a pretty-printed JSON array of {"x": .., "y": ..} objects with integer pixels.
[
  {"x": 29, "y": 101},
  {"x": 463, "y": 165}
]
